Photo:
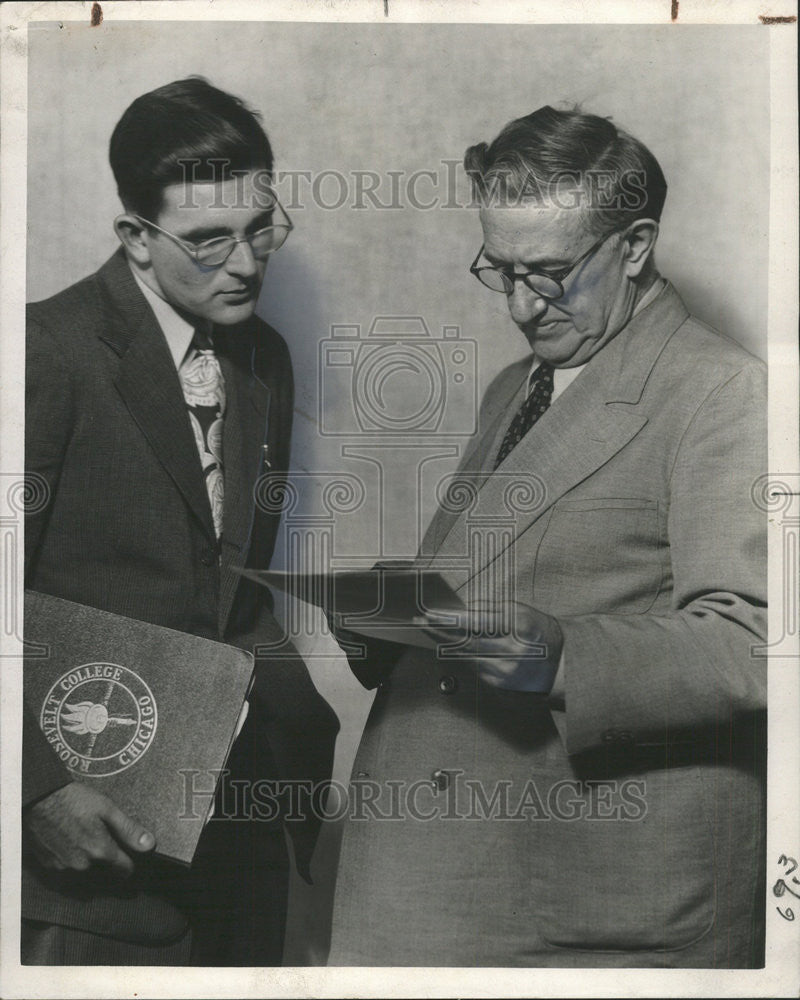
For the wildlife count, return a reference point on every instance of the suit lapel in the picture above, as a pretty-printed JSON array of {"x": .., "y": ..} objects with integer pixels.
[
  {"x": 149, "y": 385},
  {"x": 246, "y": 426},
  {"x": 593, "y": 419},
  {"x": 495, "y": 417},
  {"x": 572, "y": 440}
]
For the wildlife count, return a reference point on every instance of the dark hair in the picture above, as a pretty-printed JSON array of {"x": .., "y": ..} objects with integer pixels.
[
  {"x": 186, "y": 130},
  {"x": 618, "y": 178}
]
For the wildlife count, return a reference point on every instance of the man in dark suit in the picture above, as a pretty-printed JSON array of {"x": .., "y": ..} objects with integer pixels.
[{"x": 155, "y": 400}]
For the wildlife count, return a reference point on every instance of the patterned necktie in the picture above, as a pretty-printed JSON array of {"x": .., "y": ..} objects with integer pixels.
[
  {"x": 204, "y": 392},
  {"x": 540, "y": 392}
]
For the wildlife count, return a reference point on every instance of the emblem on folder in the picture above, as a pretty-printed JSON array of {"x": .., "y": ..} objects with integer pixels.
[{"x": 100, "y": 718}]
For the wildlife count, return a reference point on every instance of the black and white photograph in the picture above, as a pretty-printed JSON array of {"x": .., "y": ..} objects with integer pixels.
[{"x": 400, "y": 500}]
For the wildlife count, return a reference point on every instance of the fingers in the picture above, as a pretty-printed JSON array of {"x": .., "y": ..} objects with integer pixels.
[
  {"x": 473, "y": 625},
  {"x": 515, "y": 626},
  {"x": 80, "y": 847},
  {"x": 101, "y": 849},
  {"x": 127, "y": 831},
  {"x": 110, "y": 854},
  {"x": 476, "y": 619},
  {"x": 489, "y": 677},
  {"x": 438, "y": 632},
  {"x": 509, "y": 645},
  {"x": 76, "y": 827}
]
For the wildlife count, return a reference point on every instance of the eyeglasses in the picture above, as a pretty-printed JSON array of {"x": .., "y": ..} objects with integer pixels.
[
  {"x": 547, "y": 284},
  {"x": 214, "y": 253}
]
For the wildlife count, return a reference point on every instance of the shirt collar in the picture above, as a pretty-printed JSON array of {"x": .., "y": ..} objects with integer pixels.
[
  {"x": 177, "y": 331},
  {"x": 649, "y": 295}
]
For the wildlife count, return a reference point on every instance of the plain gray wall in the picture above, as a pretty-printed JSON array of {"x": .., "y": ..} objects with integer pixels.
[{"x": 405, "y": 98}]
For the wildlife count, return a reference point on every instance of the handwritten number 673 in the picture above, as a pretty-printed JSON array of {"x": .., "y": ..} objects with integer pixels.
[{"x": 781, "y": 887}]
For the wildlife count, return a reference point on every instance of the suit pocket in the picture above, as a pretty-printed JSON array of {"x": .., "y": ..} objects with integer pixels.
[
  {"x": 642, "y": 880},
  {"x": 599, "y": 555}
]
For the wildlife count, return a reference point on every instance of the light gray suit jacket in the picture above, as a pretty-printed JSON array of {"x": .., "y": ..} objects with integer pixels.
[{"x": 618, "y": 821}]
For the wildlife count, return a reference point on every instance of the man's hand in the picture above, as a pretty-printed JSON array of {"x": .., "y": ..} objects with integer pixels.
[
  {"x": 76, "y": 827},
  {"x": 513, "y": 645}
]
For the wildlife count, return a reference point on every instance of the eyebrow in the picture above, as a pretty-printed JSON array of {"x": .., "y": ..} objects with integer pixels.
[
  {"x": 202, "y": 233},
  {"x": 553, "y": 263}
]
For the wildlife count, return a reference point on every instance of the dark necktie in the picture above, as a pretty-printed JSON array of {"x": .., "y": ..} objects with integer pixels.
[
  {"x": 540, "y": 392},
  {"x": 204, "y": 391}
]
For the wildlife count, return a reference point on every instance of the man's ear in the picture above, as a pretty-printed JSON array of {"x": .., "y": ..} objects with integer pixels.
[
  {"x": 133, "y": 236},
  {"x": 640, "y": 238}
]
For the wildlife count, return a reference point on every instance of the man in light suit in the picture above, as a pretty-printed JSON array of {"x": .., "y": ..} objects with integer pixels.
[
  {"x": 155, "y": 400},
  {"x": 575, "y": 777}
]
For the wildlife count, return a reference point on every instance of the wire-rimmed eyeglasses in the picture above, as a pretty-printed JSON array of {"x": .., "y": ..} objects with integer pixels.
[{"x": 214, "y": 252}]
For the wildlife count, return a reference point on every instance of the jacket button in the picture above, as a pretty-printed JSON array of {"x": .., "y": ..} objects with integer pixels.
[
  {"x": 441, "y": 780},
  {"x": 448, "y": 684},
  {"x": 207, "y": 558},
  {"x": 362, "y": 774},
  {"x": 625, "y": 737},
  {"x": 609, "y": 736}
]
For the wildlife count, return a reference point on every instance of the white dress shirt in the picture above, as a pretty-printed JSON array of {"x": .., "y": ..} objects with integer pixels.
[{"x": 178, "y": 332}]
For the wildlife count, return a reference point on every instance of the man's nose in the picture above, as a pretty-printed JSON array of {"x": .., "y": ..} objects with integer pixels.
[
  {"x": 525, "y": 305},
  {"x": 241, "y": 261}
]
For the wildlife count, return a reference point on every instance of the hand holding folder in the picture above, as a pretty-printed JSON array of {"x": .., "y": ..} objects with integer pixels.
[
  {"x": 143, "y": 715},
  {"x": 77, "y": 826}
]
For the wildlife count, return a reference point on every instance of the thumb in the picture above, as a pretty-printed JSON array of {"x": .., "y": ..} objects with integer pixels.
[{"x": 127, "y": 831}]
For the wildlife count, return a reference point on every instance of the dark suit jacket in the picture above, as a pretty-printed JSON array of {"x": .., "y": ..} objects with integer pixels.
[
  {"x": 128, "y": 529},
  {"x": 622, "y": 822}
]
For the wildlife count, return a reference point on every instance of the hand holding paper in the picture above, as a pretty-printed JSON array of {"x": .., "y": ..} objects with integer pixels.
[{"x": 514, "y": 646}]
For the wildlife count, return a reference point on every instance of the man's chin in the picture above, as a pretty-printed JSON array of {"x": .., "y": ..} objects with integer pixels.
[
  {"x": 554, "y": 344},
  {"x": 230, "y": 314}
]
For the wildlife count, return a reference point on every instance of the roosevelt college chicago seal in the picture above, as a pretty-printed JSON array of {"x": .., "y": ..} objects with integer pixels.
[{"x": 100, "y": 718}]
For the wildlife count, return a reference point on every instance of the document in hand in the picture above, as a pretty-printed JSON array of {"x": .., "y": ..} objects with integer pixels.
[
  {"x": 144, "y": 714},
  {"x": 382, "y": 602}
]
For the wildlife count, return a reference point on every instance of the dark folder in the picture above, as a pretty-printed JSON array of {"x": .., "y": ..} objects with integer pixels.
[
  {"x": 144, "y": 714},
  {"x": 384, "y": 602}
]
